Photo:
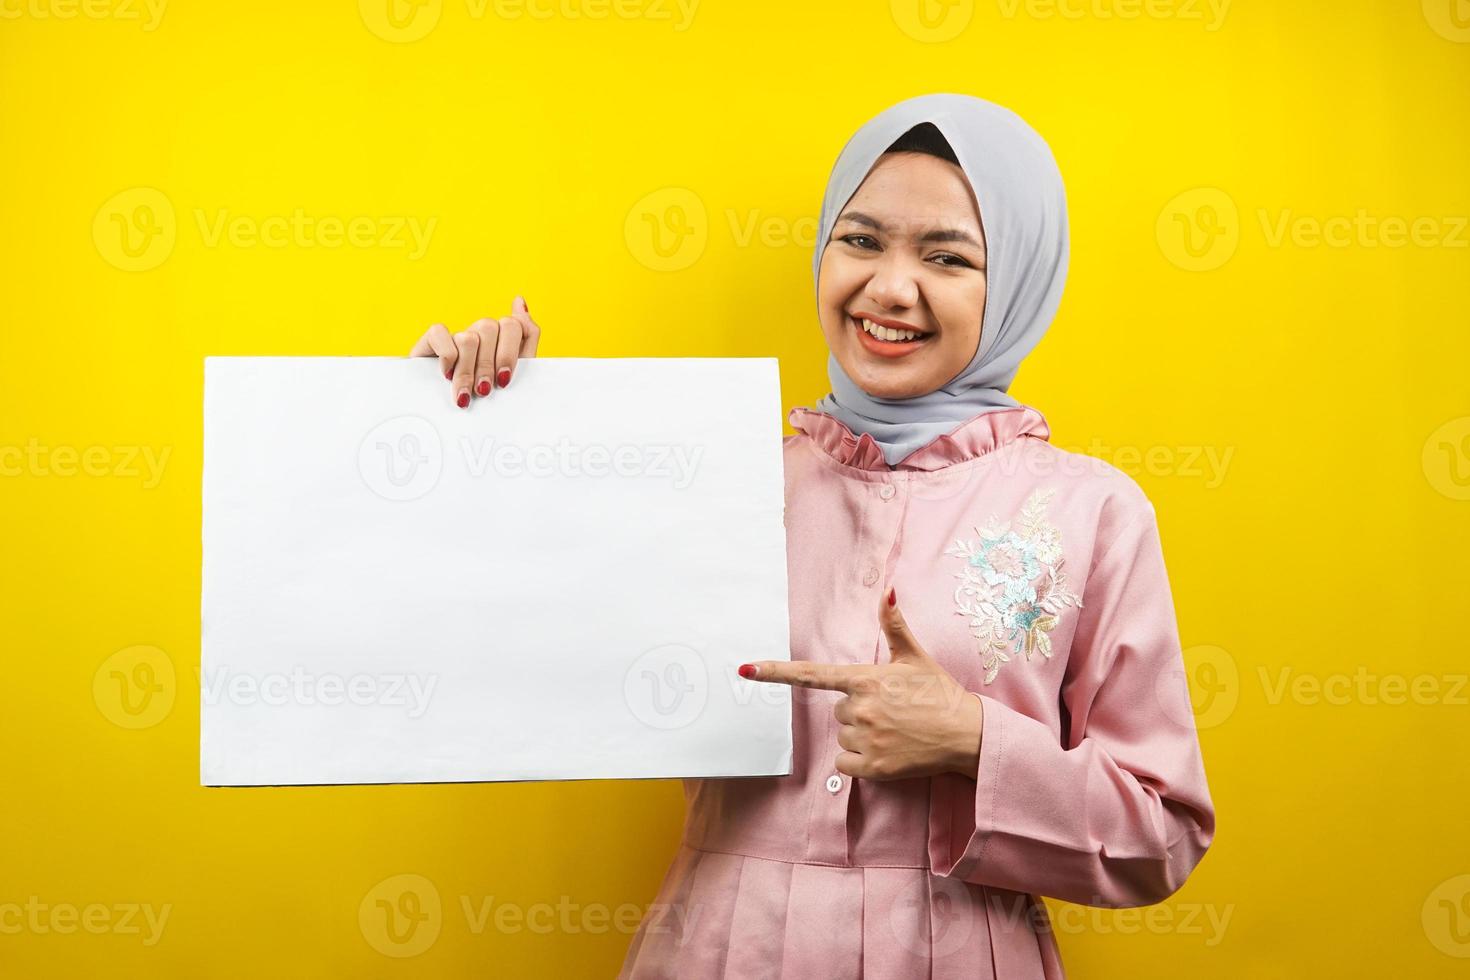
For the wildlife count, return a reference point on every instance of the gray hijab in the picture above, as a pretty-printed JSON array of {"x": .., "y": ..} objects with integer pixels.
[{"x": 1023, "y": 208}]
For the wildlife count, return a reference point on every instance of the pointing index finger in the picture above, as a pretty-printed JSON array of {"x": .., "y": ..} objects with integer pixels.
[{"x": 804, "y": 673}]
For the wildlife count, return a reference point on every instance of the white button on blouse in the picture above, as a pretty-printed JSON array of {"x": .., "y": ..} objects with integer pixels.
[{"x": 834, "y": 783}]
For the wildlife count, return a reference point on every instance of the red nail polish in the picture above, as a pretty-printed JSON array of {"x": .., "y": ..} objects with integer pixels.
[
  {"x": 747, "y": 670},
  {"x": 484, "y": 388},
  {"x": 463, "y": 400},
  {"x": 449, "y": 375},
  {"x": 893, "y": 597},
  {"x": 503, "y": 377}
]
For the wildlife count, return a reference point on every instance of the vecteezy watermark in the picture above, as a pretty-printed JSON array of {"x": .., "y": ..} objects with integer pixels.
[
  {"x": 667, "y": 229},
  {"x": 936, "y": 21},
  {"x": 1208, "y": 464},
  {"x": 1363, "y": 229},
  {"x": 137, "y": 229},
  {"x": 40, "y": 918},
  {"x": 566, "y": 916},
  {"x": 1446, "y": 458},
  {"x": 1208, "y": 692},
  {"x": 1208, "y": 13},
  {"x": 147, "y": 13},
  {"x": 1205, "y": 920},
  {"x": 934, "y": 922},
  {"x": 402, "y": 459},
  {"x": 932, "y": 21},
  {"x": 403, "y": 915},
  {"x": 1446, "y": 916},
  {"x": 36, "y": 459},
  {"x": 1203, "y": 691},
  {"x": 1200, "y": 229},
  {"x": 1450, "y": 19},
  {"x": 1364, "y": 686},
  {"x": 410, "y": 692},
  {"x": 667, "y": 687},
  {"x": 135, "y": 687},
  {"x": 941, "y": 923},
  {"x": 406, "y": 21},
  {"x": 674, "y": 463}
]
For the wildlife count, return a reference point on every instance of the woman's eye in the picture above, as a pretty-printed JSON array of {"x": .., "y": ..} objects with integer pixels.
[
  {"x": 860, "y": 241},
  {"x": 954, "y": 261}
]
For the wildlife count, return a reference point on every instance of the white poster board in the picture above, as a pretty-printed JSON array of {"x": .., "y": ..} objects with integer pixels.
[{"x": 558, "y": 582}]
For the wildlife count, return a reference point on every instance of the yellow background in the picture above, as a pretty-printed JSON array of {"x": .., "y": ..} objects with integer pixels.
[{"x": 546, "y": 142}]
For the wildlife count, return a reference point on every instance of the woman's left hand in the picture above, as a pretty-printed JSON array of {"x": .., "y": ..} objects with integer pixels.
[{"x": 900, "y": 720}]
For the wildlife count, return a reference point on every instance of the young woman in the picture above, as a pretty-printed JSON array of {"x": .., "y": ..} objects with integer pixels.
[{"x": 989, "y": 701}]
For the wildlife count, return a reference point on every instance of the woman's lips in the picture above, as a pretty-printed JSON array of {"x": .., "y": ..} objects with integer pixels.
[{"x": 884, "y": 348}]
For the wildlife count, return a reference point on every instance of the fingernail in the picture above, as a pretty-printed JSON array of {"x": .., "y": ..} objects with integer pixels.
[
  {"x": 449, "y": 375},
  {"x": 893, "y": 597},
  {"x": 463, "y": 401},
  {"x": 484, "y": 388},
  {"x": 502, "y": 377},
  {"x": 747, "y": 670}
]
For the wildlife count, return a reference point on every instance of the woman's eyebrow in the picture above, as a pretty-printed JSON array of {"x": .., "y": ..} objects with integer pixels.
[{"x": 934, "y": 235}]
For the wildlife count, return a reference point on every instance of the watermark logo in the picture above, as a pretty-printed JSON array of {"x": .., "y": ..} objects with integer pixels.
[
  {"x": 402, "y": 458},
  {"x": 400, "y": 21},
  {"x": 1446, "y": 917},
  {"x": 401, "y": 915},
  {"x": 937, "y": 924},
  {"x": 1446, "y": 458},
  {"x": 1203, "y": 691},
  {"x": 932, "y": 21},
  {"x": 1199, "y": 230},
  {"x": 668, "y": 229},
  {"x": 135, "y": 687},
  {"x": 135, "y": 230},
  {"x": 667, "y": 687},
  {"x": 1449, "y": 18}
]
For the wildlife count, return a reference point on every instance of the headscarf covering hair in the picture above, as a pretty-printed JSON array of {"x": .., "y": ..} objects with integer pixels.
[{"x": 1023, "y": 210}]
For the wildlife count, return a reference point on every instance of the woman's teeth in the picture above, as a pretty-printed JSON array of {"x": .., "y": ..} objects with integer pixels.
[{"x": 888, "y": 333}]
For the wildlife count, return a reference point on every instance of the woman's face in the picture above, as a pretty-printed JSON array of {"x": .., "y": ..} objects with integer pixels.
[{"x": 907, "y": 253}]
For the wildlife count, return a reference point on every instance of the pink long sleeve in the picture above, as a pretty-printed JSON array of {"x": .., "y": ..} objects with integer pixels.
[{"x": 1120, "y": 814}]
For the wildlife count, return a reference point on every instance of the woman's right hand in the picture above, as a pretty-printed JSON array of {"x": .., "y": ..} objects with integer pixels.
[{"x": 482, "y": 356}]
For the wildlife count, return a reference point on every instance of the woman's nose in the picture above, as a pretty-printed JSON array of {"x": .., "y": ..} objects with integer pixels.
[{"x": 893, "y": 285}]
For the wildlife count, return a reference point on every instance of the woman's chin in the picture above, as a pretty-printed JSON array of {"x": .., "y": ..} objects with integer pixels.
[{"x": 887, "y": 381}]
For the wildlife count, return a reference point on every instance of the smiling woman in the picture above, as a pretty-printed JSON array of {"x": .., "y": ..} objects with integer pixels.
[
  {"x": 903, "y": 287},
  {"x": 1028, "y": 733}
]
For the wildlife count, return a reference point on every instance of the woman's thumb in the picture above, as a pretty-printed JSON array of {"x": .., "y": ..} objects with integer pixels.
[{"x": 901, "y": 642}]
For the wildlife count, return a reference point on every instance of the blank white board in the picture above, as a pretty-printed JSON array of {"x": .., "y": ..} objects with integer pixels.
[{"x": 558, "y": 582}]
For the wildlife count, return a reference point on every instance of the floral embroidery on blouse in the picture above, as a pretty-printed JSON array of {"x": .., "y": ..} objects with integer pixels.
[{"x": 1013, "y": 588}]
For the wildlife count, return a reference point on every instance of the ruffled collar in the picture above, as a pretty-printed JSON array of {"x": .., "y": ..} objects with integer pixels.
[{"x": 982, "y": 434}]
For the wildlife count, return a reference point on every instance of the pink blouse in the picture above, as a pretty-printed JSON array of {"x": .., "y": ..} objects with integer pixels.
[{"x": 1036, "y": 577}]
